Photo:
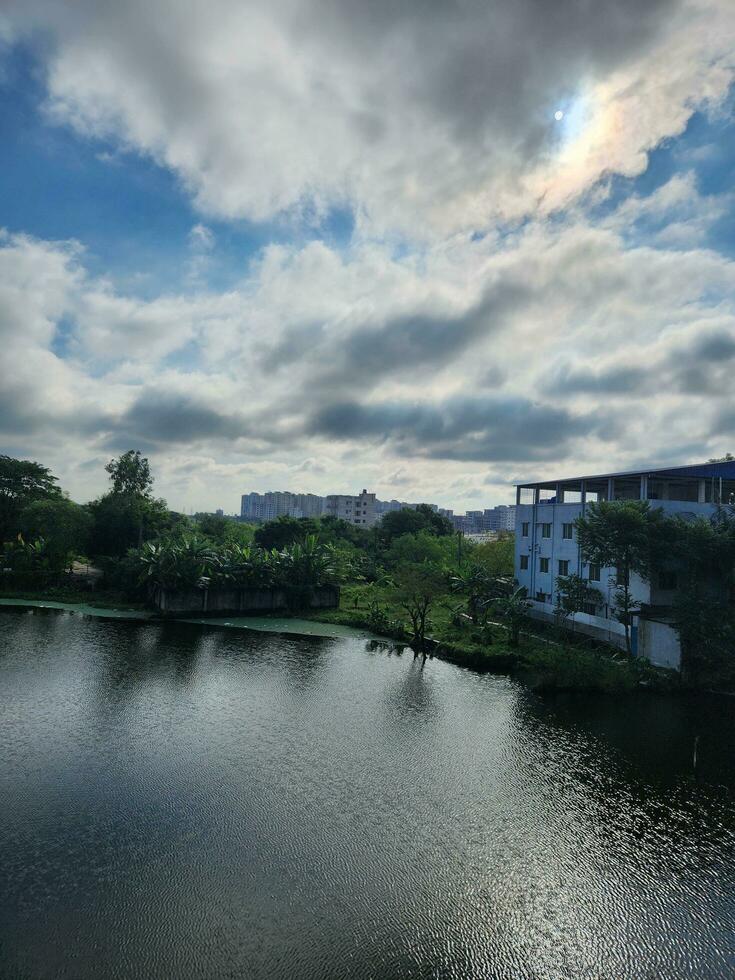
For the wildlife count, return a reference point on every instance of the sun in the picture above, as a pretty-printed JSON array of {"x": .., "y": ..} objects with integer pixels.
[{"x": 558, "y": 115}]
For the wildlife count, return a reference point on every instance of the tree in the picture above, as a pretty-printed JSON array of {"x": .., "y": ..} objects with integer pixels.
[
  {"x": 238, "y": 533},
  {"x": 308, "y": 564},
  {"x": 727, "y": 458},
  {"x": 619, "y": 534},
  {"x": 497, "y": 557},
  {"x": 131, "y": 474},
  {"x": 212, "y": 526},
  {"x": 415, "y": 548},
  {"x": 284, "y": 531},
  {"x": 21, "y": 482},
  {"x": 513, "y": 608},
  {"x": 573, "y": 593},
  {"x": 480, "y": 587},
  {"x": 704, "y": 552},
  {"x": 63, "y": 525},
  {"x": 128, "y": 514},
  {"x": 121, "y": 521},
  {"x": 183, "y": 563},
  {"x": 435, "y": 522},
  {"x": 417, "y": 586},
  {"x": 399, "y": 522},
  {"x": 411, "y": 520},
  {"x": 334, "y": 529}
]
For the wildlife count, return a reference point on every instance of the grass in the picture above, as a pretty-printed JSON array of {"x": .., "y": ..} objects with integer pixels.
[{"x": 540, "y": 661}]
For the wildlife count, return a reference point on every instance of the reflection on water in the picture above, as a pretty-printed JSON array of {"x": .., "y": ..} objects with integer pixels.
[{"x": 182, "y": 800}]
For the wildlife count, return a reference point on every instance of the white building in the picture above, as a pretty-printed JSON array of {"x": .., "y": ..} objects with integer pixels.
[
  {"x": 358, "y": 510},
  {"x": 546, "y": 545},
  {"x": 500, "y": 518},
  {"x": 278, "y": 503}
]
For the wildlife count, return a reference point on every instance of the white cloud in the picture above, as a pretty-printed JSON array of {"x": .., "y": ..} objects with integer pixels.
[
  {"x": 424, "y": 118},
  {"x": 555, "y": 305},
  {"x": 201, "y": 238}
]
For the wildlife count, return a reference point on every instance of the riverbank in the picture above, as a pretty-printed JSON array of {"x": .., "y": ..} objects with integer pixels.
[{"x": 540, "y": 662}]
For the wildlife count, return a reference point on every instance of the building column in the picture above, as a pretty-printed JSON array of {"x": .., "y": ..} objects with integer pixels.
[
  {"x": 518, "y": 496},
  {"x": 611, "y": 488},
  {"x": 644, "y": 487},
  {"x": 701, "y": 491}
]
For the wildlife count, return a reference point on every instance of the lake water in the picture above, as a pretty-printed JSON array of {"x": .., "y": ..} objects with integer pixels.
[{"x": 182, "y": 800}]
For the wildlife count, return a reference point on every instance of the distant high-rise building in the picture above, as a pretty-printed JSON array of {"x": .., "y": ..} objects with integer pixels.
[
  {"x": 358, "y": 510},
  {"x": 501, "y": 518},
  {"x": 362, "y": 509},
  {"x": 280, "y": 503}
]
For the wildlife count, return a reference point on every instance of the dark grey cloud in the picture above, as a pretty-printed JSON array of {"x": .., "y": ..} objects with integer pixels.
[
  {"x": 723, "y": 424},
  {"x": 705, "y": 367},
  {"x": 485, "y": 429},
  {"x": 407, "y": 345},
  {"x": 701, "y": 367},
  {"x": 164, "y": 417},
  {"x": 490, "y": 71},
  {"x": 25, "y": 413}
]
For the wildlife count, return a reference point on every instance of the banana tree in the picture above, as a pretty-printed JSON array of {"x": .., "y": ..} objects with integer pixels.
[{"x": 513, "y": 608}]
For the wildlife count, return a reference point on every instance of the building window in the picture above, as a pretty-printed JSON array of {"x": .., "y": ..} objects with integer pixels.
[
  {"x": 543, "y": 564},
  {"x": 594, "y": 575},
  {"x": 563, "y": 567},
  {"x": 524, "y": 529},
  {"x": 566, "y": 531},
  {"x": 546, "y": 530},
  {"x": 524, "y": 563},
  {"x": 667, "y": 581}
]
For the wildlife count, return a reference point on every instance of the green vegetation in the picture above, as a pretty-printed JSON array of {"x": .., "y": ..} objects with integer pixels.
[
  {"x": 410, "y": 577},
  {"x": 703, "y": 552},
  {"x": 637, "y": 538},
  {"x": 619, "y": 534},
  {"x": 22, "y": 483},
  {"x": 539, "y": 660}
]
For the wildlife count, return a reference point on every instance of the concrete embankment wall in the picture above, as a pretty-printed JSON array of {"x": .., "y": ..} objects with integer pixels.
[
  {"x": 655, "y": 640},
  {"x": 228, "y": 601},
  {"x": 608, "y": 631}
]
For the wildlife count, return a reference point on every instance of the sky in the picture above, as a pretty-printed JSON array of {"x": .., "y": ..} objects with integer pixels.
[{"x": 428, "y": 248}]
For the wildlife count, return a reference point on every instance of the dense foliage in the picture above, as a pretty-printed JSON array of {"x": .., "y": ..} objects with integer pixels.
[
  {"x": 619, "y": 534},
  {"x": 704, "y": 554},
  {"x": 191, "y": 561},
  {"x": 634, "y": 537},
  {"x": 21, "y": 483}
]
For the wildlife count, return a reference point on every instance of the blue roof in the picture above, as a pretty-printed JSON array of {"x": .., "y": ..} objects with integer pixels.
[{"x": 700, "y": 471}]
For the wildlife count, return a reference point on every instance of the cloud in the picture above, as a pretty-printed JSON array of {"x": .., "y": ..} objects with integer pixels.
[
  {"x": 484, "y": 429},
  {"x": 696, "y": 363},
  {"x": 505, "y": 350},
  {"x": 164, "y": 418},
  {"x": 425, "y": 118},
  {"x": 201, "y": 238},
  {"x": 408, "y": 344}
]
